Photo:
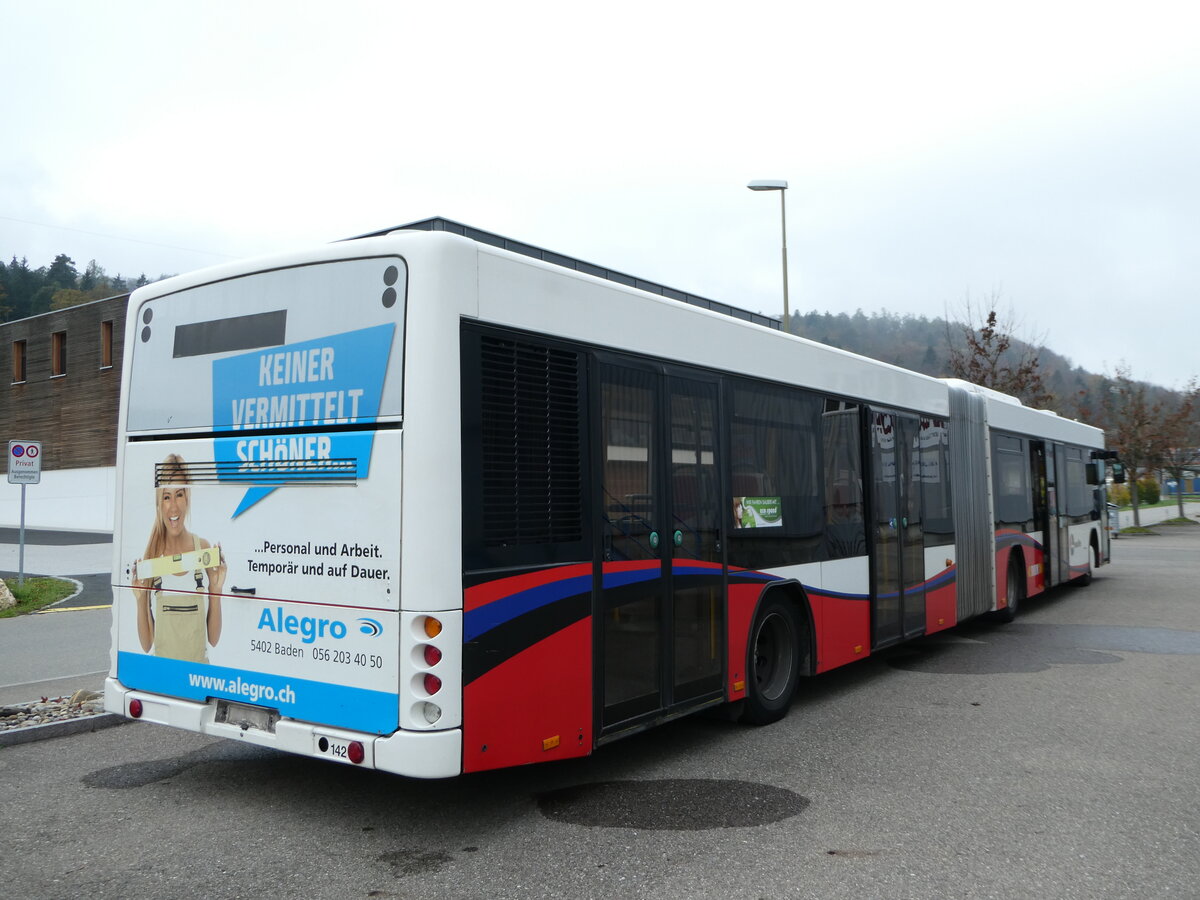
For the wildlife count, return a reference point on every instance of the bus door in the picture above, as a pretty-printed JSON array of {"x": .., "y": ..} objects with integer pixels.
[
  {"x": 1045, "y": 516},
  {"x": 1059, "y": 523},
  {"x": 661, "y": 620},
  {"x": 898, "y": 548}
]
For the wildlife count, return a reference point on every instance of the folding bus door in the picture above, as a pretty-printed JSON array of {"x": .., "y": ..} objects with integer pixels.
[
  {"x": 1045, "y": 515},
  {"x": 659, "y": 613},
  {"x": 898, "y": 548}
]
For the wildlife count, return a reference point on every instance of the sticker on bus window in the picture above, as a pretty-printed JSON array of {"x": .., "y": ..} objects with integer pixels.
[{"x": 757, "y": 512}]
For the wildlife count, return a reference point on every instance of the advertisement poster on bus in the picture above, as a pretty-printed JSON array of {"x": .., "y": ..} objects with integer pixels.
[
  {"x": 758, "y": 512},
  {"x": 238, "y": 586}
]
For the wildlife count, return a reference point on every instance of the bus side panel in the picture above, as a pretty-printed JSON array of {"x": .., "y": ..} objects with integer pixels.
[
  {"x": 1007, "y": 540},
  {"x": 842, "y": 612},
  {"x": 1032, "y": 558},
  {"x": 1035, "y": 565},
  {"x": 1003, "y": 552},
  {"x": 843, "y": 624},
  {"x": 744, "y": 590},
  {"x": 527, "y": 668},
  {"x": 1081, "y": 537},
  {"x": 941, "y": 590}
]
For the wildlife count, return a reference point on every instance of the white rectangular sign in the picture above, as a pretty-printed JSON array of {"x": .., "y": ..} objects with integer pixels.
[{"x": 24, "y": 462}]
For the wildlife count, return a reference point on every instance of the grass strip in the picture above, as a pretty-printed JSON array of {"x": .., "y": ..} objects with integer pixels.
[{"x": 35, "y": 594}]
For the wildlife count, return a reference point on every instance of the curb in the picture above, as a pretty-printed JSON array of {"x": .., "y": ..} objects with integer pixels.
[
  {"x": 78, "y": 590},
  {"x": 78, "y": 725}
]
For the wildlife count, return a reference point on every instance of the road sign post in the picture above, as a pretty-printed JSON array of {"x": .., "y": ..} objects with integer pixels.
[{"x": 24, "y": 468}]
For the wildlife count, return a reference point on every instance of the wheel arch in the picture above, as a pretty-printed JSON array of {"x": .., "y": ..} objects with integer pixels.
[
  {"x": 792, "y": 591},
  {"x": 1007, "y": 557}
]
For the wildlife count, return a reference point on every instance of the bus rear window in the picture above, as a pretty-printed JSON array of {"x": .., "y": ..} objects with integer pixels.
[
  {"x": 309, "y": 346},
  {"x": 235, "y": 333}
]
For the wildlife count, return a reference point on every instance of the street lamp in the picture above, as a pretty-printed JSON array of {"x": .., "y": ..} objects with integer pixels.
[{"x": 781, "y": 186}]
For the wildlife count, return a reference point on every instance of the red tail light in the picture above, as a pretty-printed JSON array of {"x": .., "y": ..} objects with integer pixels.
[
  {"x": 433, "y": 684},
  {"x": 433, "y": 655},
  {"x": 135, "y": 709}
]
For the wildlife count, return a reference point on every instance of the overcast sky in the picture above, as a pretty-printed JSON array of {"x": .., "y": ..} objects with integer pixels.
[{"x": 1046, "y": 152}]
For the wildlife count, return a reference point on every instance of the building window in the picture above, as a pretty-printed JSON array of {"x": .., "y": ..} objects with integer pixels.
[
  {"x": 18, "y": 359},
  {"x": 58, "y": 353},
  {"x": 106, "y": 345}
]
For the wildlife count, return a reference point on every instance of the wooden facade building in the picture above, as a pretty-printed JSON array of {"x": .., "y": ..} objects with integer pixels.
[{"x": 63, "y": 382}]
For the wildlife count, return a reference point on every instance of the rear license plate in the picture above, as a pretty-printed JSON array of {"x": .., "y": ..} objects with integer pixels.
[{"x": 245, "y": 716}]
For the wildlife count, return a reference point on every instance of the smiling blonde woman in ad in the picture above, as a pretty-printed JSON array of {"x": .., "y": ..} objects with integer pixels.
[{"x": 184, "y": 617}]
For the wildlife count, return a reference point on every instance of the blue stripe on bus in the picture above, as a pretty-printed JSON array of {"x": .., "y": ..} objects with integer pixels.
[
  {"x": 505, "y": 609},
  {"x": 497, "y": 612},
  {"x": 335, "y": 705}
]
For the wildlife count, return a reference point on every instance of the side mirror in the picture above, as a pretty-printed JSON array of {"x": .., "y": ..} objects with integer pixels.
[{"x": 1118, "y": 473}]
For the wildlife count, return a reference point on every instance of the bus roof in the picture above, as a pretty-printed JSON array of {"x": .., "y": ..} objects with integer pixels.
[{"x": 578, "y": 265}]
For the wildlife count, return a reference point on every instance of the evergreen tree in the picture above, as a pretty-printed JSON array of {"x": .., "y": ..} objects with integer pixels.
[
  {"x": 92, "y": 278},
  {"x": 21, "y": 284},
  {"x": 62, "y": 272}
]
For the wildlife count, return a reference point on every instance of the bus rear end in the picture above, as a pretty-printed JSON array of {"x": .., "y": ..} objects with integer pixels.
[{"x": 257, "y": 541}]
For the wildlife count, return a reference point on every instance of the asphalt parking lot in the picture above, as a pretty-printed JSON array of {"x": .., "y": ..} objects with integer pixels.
[{"x": 1054, "y": 757}]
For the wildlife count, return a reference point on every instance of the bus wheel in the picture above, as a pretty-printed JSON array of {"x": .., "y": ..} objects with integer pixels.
[
  {"x": 1093, "y": 560},
  {"x": 774, "y": 664},
  {"x": 1014, "y": 591}
]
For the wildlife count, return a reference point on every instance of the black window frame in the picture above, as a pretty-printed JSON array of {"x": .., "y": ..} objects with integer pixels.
[
  {"x": 802, "y": 536},
  {"x": 1010, "y": 456}
]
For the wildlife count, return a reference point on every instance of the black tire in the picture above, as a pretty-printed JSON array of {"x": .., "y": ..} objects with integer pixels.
[
  {"x": 1093, "y": 560},
  {"x": 1014, "y": 591},
  {"x": 773, "y": 661}
]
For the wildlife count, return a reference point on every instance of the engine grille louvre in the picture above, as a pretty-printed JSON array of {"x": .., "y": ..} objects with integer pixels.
[{"x": 532, "y": 481}]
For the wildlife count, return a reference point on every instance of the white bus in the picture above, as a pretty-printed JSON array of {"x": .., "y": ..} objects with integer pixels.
[{"x": 435, "y": 502}]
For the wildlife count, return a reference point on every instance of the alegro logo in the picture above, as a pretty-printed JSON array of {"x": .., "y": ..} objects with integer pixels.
[
  {"x": 370, "y": 627},
  {"x": 310, "y": 628}
]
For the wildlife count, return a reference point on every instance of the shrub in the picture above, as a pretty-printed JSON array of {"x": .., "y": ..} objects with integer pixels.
[
  {"x": 1119, "y": 494},
  {"x": 1149, "y": 491}
]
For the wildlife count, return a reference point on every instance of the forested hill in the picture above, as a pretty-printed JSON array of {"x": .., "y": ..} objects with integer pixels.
[
  {"x": 26, "y": 291},
  {"x": 925, "y": 345}
]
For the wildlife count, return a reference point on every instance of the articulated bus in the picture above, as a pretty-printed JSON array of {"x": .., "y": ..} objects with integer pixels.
[{"x": 434, "y": 502}]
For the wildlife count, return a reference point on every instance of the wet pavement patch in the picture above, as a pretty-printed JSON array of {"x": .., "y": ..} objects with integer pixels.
[
  {"x": 1024, "y": 648},
  {"x": 671, "y": 804},
  {"x": 1128, "y": 639},
  {"x": 416, "y": 862}
]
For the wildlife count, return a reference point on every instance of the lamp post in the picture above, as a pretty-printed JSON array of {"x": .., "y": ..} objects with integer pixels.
[{"x": 781, "y": 186}]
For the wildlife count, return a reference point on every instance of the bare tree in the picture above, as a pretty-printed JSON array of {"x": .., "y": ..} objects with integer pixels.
[
  {"x": 985, "y": 350},
  {"x": 1134, "y": 429},
  {"x": 1181, "y": 438}
]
